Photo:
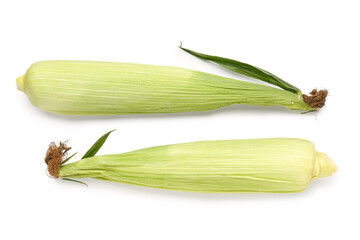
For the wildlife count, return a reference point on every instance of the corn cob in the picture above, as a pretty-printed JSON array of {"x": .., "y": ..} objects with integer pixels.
[
  {"x": 106, "y": 88},
  {"x": 280, "y": 165}
]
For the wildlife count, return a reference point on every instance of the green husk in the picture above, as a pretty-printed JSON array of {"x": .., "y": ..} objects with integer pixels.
[
  {"x": 247, "y": 70},
  {"x": 280, "y": 165},
  {"x": 105, "y": 88}
]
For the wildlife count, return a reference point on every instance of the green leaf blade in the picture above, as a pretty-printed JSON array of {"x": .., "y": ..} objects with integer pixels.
[
  {"x": 97, "y": 145},
  {"x": 67, "y": 159},
  {"x": 246, "y": 69},
  {"x": 73, "y": 180}
]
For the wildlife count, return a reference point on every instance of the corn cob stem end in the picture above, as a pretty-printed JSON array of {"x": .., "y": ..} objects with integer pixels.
[
  {"x": 316, "y": 99},
  {"x": 54, "y": 157}
]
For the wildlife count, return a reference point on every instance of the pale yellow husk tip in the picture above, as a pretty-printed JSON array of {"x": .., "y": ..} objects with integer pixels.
[
  {"x": 20, "y": 83},
  {"x": 326, "y": 166}
]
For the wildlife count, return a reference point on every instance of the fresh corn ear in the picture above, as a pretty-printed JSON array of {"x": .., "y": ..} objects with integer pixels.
[
  {"x": 280, "y": 165},
  {"x": 104, "y": 88}
]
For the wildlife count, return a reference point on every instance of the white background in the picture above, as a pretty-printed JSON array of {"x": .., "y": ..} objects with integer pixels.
[{"x": 308, "y": 43}]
